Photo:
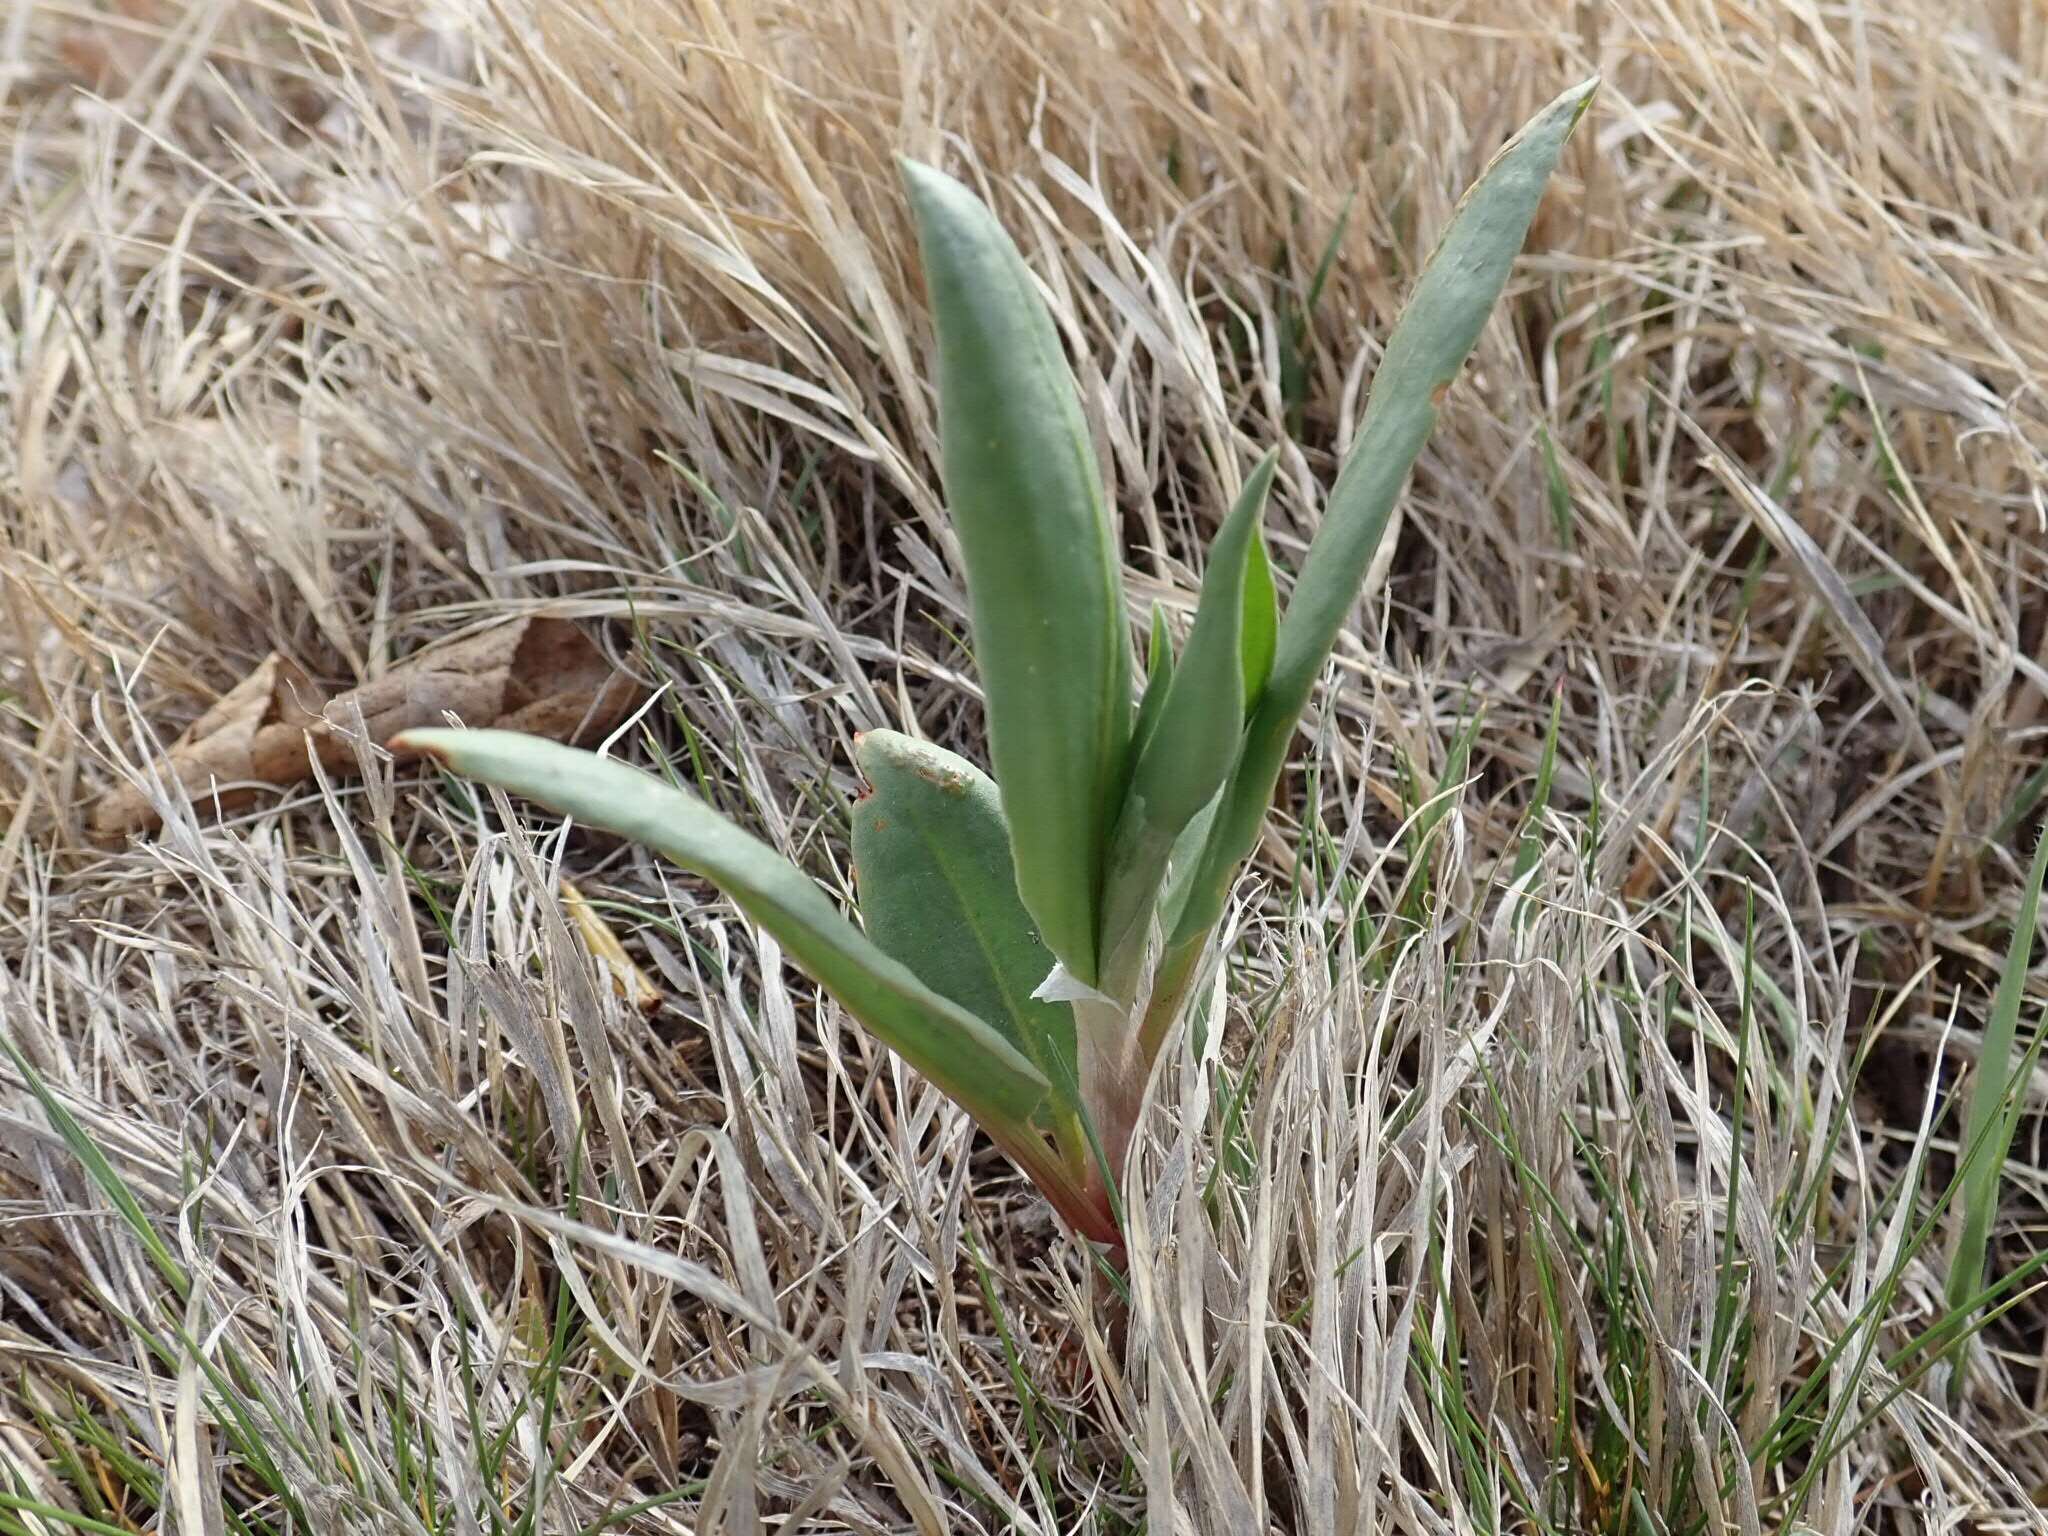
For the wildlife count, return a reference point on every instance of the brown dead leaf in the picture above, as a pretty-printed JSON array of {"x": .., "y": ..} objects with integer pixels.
[
  {"x": 540, "y": 675},
  {"x": 108, "y": 60},
  {"x": 628, "y": 980},
  {"x": 543, "y": 676},
  {"x": 255, "y": 735}
]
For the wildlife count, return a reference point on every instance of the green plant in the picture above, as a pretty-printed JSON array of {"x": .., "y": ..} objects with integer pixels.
[
  {"x": 1028, "y": 949},
  {"x": 1992, "y": 1115}
]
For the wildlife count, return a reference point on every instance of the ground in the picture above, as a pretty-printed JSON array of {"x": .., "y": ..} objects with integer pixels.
[{"x": 1582, "y": 1147}]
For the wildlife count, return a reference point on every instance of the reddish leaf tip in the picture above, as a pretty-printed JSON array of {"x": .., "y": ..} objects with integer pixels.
[{"x": 404, "y": 742}]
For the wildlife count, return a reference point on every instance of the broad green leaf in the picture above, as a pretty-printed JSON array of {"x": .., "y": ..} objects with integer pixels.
[
  {"x": 965, "y": 1058},
  {"x": 1187, "y": 756},
  {"x": 1456, "y": 292},
  {"x": 1044, "y": 580},
  {"x": 937, "y": 891}
]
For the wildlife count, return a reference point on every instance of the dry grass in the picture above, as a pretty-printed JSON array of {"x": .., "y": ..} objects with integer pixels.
[{"x": 1574, "y": 1154}]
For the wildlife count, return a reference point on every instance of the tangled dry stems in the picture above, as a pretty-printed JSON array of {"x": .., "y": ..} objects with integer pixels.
[{"x": 333, "y": 330}]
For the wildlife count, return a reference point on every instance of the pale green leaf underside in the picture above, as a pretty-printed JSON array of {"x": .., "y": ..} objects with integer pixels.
[{"x": 937, "y": 891}]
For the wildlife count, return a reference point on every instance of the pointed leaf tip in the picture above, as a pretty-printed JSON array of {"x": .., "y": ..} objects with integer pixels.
[{"x": 1584, "y": 91}]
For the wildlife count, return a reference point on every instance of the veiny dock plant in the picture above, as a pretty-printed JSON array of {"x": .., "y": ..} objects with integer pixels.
[{"x": 1030, "y": 940}]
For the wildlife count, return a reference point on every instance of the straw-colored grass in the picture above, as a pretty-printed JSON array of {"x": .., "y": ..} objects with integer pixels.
[{"x": 1579, "y": 1144}]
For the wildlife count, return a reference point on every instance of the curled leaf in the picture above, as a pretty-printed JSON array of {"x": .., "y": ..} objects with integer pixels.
[
  {"x": 1191, "y": 750},
  {"x": 1261, "y": 620},
  {"x": 255, "y": 735},
  {"x": 1184, "y": 759}
]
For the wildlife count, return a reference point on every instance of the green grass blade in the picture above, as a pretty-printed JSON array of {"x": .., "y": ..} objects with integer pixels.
[
  {"x": 2024, "y": 799},
  {"x": 1044, "y": 579},
  {"x": 101, "y": 1171},
  {"x": 1529, "y": 852},
  {"x": 965, "y": 1058},
  {"x": 1988, "y": 1121},
  {"x": 1456, "y": 292},
  {"x": 938, "y": 892}
]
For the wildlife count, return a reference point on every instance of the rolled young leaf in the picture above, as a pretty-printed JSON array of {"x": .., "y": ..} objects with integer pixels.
[
  {"x": 937, "y": 891},
  {"x": 1191, "y": 750},
  {"x": 1159, "y": 667},
  {"x": 967, "y": 1059},
  {"x": 1186, "y": 757},
  {"x": 1261, "y": 623},
  {"x": 1458, "y": 289},
  {"x": 1044, "y": 581},
  {"x": 1158, "y": 676}
]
